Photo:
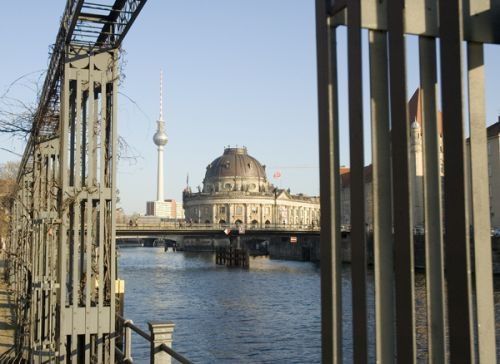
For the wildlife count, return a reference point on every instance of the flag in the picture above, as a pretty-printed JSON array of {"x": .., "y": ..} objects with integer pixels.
[{"x": 277, "y": 175}]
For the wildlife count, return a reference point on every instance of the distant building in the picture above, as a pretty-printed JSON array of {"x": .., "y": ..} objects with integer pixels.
[
  {"x": 236, "y": 191},
  {"x": 179, "y": 212},
  {"x": 166, "y": 208},
  {"x": 416, "y": 170},
  {"x": 493, "y": 134}
]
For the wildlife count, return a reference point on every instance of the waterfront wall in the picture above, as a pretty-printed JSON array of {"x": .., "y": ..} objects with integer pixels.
[{"x": 306, "y": 248}]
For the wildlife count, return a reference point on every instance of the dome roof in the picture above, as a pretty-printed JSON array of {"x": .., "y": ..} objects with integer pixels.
[{"x": 235, "y": 162}]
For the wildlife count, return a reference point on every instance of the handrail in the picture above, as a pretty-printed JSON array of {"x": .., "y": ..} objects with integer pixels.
[
  {"x": 217, "y": 227},
  {"x": 126, "y": 357},
  {"x": 174, "y": 354}
]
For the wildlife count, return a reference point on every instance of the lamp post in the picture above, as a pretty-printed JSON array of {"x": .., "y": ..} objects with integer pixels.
[{"x": 275, "y": 208}]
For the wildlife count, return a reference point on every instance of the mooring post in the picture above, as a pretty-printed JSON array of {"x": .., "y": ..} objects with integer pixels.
[{"x": 161, "y": 333}]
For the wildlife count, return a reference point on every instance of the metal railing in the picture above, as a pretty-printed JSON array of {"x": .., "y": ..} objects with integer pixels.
[
  {"x": 217, "y": 227},
  {"x": 461, "y": 321},
  {"x": 162, "y": 345},
  {"x": 62, "y": 244}
]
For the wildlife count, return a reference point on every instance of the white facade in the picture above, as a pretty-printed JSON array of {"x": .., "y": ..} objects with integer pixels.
[{"x": 179, "y": 212}]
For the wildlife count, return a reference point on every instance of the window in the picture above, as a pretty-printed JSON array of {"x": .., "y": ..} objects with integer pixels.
[
  {"x": 255, "y": 209},
  {"x": 267, "y": 210},
  {"x": 227, "y": 186},
  {"x": 222, "y": 210},
  {"x": 239, "y": 210}
]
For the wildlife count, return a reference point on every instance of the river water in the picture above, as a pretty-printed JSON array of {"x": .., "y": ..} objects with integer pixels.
[{"x": 269, "y": 313}]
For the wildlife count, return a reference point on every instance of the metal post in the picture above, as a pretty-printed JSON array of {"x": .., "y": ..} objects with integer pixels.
[
  {"x": 128, "y": 341},
  {"x": 161, "y": 333},
  {"x": 433, "y": 202},
  {"x": 383, "y": 241},
  {"x": 480, "y": 205},
  {"x": 457, "y": 249},
  {"x": 357, "y": 195},
  {"x": 331, "y": 279},
  {"x": 402, "y": 186}
]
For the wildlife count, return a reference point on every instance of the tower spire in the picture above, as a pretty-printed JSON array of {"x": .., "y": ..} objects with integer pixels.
[
  {"x": 160, "y": 139},
  {"x": 161, "y": 94}
]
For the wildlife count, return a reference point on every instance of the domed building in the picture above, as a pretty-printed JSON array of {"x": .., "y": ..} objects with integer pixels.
[{"x": 236, "y": 191}]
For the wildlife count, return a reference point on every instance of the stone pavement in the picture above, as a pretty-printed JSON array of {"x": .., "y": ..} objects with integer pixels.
[{"x": 6, "y": 324}]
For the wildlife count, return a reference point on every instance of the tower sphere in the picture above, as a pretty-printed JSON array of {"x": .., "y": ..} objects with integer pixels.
[{"x": 160, "y": 138}]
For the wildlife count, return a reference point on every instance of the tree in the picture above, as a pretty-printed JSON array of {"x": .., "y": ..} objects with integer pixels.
[{"x": 8, "y": 174}]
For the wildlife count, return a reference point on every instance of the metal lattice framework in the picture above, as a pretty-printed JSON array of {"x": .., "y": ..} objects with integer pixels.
[
  {"x": 454, "y": 332},
  {"x": 62, "y": 245}
]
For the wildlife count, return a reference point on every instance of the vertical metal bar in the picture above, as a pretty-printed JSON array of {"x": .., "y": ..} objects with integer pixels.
[
  {"x": 89, "y": 206},
  {"x": 382, "y": 218},
  {"x": 402, "y": 207},
  {"x": 357, "y": 195},
  {"x": 87, "y": 157},
  {"x": 480, "y": 205},
  {"x": 102, "y": 219},
  {"x": 78, "y": 131},
  {"x": 63, "y": 212},
  {"x": 432, "y": 197},
  {"x": 331, "y": 293},
  {"x": 75, "y": 212},
  {"x": 457, "y": 257},
  {"x": 114, "y": 162}
]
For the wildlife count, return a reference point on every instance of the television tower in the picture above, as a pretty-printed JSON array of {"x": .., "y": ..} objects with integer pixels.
[{"x": 160, "y": 139}]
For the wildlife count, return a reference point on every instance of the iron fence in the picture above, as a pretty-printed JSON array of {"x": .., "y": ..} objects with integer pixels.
[{"x": 452, "y": 328}]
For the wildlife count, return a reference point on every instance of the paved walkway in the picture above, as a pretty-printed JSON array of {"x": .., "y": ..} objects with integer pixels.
[{"x": 6, "y": 327}]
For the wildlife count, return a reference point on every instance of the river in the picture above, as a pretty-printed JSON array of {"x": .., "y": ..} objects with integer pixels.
[{"x": 269, "y": 313}]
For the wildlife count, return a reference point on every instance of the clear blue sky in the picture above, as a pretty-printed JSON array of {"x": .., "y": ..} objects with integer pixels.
[{"x": 237, "y": 72}]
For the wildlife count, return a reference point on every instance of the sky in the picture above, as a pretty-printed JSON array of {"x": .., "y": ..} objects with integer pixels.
[{"x": 239, "y": 73}]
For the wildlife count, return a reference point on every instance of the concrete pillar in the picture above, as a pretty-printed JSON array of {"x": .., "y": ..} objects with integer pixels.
[{"x": 161, "y": 333}]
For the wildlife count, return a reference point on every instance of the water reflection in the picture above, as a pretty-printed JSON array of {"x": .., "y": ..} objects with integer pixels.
[{"x": 269, "y": 313}]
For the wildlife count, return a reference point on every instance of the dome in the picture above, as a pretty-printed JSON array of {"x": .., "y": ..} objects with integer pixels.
[{"x": 235, "y": 163}]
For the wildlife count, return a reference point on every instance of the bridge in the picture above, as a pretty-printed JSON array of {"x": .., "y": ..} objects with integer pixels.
[
  {"x": 61, "y": 254},
  {"x": 125, "y": 230}
]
